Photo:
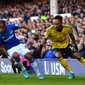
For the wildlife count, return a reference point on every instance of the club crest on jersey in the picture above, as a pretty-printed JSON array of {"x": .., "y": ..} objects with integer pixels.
[{"x": 11, "y": 31}]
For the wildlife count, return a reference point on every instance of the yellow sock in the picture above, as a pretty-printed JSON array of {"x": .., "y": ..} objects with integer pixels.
[
  {"x": 82, "y": 60},
  {"x": 65, "y": 64}
]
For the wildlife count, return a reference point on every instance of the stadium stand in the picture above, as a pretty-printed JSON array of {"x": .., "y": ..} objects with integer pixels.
[{"x": 36, "y": 18}]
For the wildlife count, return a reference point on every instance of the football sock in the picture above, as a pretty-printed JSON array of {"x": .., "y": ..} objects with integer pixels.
[
  {"x": 82, "y": 60},
  {"x": 35, "y": 67},
  {"x": 65, "y": 64}
]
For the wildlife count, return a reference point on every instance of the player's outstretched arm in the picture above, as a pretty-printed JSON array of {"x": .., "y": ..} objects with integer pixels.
[{"x": 73, "y": 41}]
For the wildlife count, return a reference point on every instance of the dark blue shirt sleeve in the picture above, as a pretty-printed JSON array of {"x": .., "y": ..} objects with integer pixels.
[
  {"x": 13, "y": 26},
  {"x": 0, "y": 43}
]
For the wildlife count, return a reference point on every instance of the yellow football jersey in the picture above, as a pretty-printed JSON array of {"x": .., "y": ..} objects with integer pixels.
[{"x": 59, "y": 39}]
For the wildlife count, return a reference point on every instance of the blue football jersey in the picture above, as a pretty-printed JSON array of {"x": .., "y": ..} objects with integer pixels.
[{"x": 8, "y": 38}]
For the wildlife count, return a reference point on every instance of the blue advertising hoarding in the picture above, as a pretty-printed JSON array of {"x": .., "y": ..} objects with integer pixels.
[{"x": 48, "y": 67}]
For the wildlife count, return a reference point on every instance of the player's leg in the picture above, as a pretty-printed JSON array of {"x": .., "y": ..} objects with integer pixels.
[
  {"x": 27, "y": 54},
  {"x": 14, "y": 68},
  {"x": 76, "y": 55},
  {"x": 12, "y": 55},
  {"x": 79, "y": 58},
  {"x": 64, "y": 63},
  {"x": 71, "y": 51},
  {"x": 20, "y": 64},
  {"x": 26, "y": 66}
]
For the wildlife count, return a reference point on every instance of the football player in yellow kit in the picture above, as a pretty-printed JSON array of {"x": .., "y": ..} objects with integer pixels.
[{"x": 59, "y": 34}]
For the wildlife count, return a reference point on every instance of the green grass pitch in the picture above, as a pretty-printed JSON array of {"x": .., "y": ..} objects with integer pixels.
[{"x": 18, "y": 79}]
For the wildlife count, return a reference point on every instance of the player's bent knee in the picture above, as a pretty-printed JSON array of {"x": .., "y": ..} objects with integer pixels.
[
  {"x": 16, "y": 57},
  {"x": 77, "y": 55},
  {"x": 58, "y": 55},
  {"x": 28, "y": 56}
]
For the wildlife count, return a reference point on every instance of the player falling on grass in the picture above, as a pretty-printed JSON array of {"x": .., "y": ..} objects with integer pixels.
[
  {"x": 59, "y": 34},
  {"x": 13, "y": 46}
]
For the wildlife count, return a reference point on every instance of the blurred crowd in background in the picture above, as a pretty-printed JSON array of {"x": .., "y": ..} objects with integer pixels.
[{"x": 32, "y": 33}]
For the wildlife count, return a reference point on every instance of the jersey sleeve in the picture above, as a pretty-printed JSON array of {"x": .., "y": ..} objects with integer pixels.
[
  {"x": 14, "y": 26},
  {"x": 1, "y": 43}
]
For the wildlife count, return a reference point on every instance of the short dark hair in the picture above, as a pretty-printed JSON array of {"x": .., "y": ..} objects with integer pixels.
[
  {"x": 58, "y": 17},
  {"x": 3, "y": 22}
]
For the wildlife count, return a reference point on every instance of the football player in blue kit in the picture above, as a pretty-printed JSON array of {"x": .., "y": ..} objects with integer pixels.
[{"x": 13, "y": 46}]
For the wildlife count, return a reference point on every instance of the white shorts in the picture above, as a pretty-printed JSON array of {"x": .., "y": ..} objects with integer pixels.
[{"x": 20, "y": 49}]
